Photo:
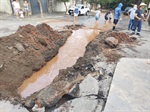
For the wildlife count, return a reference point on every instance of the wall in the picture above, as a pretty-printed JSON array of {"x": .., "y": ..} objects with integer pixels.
[
  {"x": 5, "y": 6},
  {"x": 60, "y": 7}
]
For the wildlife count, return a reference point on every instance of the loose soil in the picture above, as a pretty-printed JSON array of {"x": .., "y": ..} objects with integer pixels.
[{"x": 25, "y": 52}]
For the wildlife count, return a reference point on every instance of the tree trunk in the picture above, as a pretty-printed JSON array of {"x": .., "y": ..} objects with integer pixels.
[
  {"x": 41, "y": 9},
  {"x": 65, "y": 7}
]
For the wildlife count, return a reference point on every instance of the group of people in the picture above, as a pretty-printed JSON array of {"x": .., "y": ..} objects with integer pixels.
[
  {"x": 20, "y": 13},
  {"x": 136, "y": 15}
]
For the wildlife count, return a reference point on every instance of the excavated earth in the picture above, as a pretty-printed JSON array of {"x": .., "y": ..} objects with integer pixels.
[{"x": 24, "y": 52}]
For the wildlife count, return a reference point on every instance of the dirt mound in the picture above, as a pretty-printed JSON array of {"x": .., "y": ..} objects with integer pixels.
[
  {"x": 25, "y": 52},
  {"x": 122, "y": 37}
]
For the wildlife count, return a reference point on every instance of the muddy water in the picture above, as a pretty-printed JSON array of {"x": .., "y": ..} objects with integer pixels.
[{"x": 67, "y": 56}]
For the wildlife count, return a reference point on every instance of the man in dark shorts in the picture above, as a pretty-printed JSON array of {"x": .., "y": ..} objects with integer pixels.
[
  {"x": 108, "y": 16},
  {"x": 117, "y": 14},
  {"x": 137, "y": 24}
]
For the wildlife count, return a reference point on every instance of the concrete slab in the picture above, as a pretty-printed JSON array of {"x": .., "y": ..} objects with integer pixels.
[{"x": 130, "y": 88}]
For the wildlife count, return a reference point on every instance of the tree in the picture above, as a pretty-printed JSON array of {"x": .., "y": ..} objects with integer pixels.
[
  {"x": 41, "y": 9},
  {"x": 107, "y": 3},
  {"x": 64, "y": 1}
]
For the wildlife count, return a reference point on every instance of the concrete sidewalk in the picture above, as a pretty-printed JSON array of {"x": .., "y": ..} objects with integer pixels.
[{"x": 130, "y": 88}]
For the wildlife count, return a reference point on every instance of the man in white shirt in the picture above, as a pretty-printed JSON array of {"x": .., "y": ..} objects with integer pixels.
[
  {"x": 16, "y": 7},
  {"x": 131, "y": 13}
]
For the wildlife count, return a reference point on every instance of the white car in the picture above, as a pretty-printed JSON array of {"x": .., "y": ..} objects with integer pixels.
[{"x": 82, "y": 10}]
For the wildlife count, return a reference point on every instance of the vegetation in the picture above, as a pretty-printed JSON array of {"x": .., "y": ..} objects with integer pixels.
[{"x": 113, "y": 3}]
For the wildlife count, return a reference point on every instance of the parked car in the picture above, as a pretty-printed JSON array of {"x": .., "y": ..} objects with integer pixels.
[
  {"x": 82, "y": 10},
  {"x": 126, "y": 10}
]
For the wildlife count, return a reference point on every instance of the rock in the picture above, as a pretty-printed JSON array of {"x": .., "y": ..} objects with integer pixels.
[
  {"x": 29, "y": 103},
  {"x": 1, "y": 67},
  {"x": 74, "y": 90},
  {"x": 83, "y": 104},
  {"x": 42, "y": 41},
  {"x": 10, "y": 48},
  {"x": 104, "y": 86},
  {"x": 111, "y": 41},
  {"x": 89, "y": 86},
  {"x": 15, "y": 52},
  {"x": 19, "y": 46}
]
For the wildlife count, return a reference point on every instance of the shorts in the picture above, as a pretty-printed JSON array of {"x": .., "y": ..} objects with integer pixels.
[
  {"x": 75, "y": 14},
  {"x": 26, "y": 10},
  {"x": 115, "y": 21},
  {"x": 16, "y": 10},
  {"x": 96, "y": 18},
  {"x": 106, "y": 18}
]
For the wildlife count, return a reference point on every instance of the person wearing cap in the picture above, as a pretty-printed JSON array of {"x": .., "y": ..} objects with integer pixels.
[
  {"x": 117, "y": 14},
  {"x": 137, "y": 24},
  {"x": 131, "y": 13}
]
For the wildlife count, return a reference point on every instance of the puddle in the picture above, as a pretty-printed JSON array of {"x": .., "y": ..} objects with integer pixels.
[{"x": 67, "y": 56}]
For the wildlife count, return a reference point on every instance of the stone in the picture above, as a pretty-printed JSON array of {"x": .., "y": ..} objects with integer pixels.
[
  {"x": 15, "y": 52},
  {"x": 83, "y": 104},
  {"x": 111, "y": 41},
  {"x": 74, "y": 90},
  {"x": 19, "y": 46},
  {"x": 88, "y": 86}
]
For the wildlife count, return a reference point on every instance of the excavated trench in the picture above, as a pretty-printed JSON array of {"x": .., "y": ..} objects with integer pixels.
[
  {"x": 66, "y": 57},
  {"x": 77, "y": 58}
]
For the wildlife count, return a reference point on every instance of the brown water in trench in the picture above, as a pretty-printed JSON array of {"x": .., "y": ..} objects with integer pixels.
[{"x": 67, "y": 56}]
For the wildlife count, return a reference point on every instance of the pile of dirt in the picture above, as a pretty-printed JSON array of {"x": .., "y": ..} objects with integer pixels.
[
  {"x": 25, "y": 52},
  {"x": 73, "y": 27},
  {"x": 122, "y": 37}
]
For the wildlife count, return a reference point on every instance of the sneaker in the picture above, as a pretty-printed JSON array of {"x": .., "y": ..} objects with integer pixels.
[
  {"x": 132, "y": 33},
  {"x": 138, "y": 34}
]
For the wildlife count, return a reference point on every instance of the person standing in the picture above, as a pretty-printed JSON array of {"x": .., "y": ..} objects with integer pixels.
[
  {"x": 108, "y": 16},
  {"x": 117, "y": 14},
  {"x": 76, "y": 12},
  {"x": 97, "y": 16},
  {"x": 16, "y": 7},
  {"x": 131, "y": 13},
  {"x": 137, "y": 24},
  {"x": 26, "y": 8}
]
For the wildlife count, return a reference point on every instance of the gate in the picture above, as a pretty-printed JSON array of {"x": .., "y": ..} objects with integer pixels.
[{"x": 35, "y": 8}]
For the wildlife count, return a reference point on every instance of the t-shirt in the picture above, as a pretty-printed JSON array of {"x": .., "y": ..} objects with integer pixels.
[
  {"x": 16, "y": 5},
  {"x": 139, "y": 13},
  {"x": 98, "y": 14},
  {"x": 76, "y": 10},
  {"x": 132, "y": 13},
  {"x": 108, "y": 14}
]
